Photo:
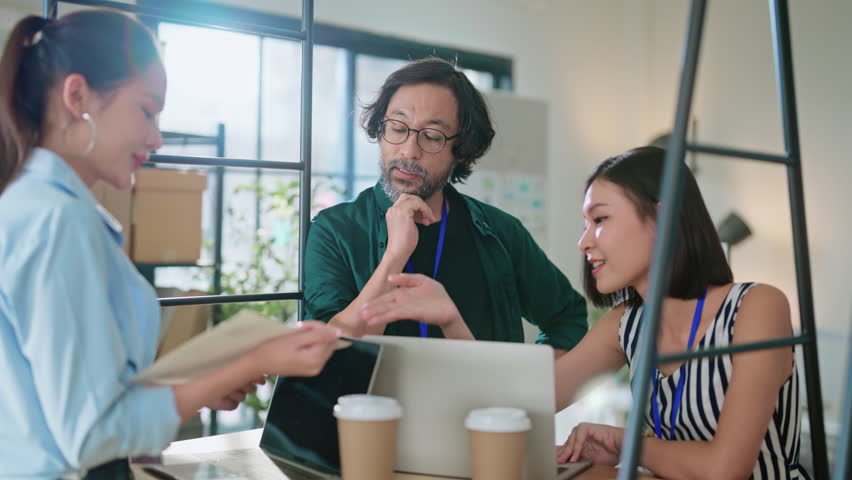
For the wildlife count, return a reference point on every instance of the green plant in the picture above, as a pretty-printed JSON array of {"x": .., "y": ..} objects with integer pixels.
[{"x": 273, "y": 263}]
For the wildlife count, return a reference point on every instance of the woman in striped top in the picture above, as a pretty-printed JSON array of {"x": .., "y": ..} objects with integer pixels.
[{"x": 722, "y": 417}]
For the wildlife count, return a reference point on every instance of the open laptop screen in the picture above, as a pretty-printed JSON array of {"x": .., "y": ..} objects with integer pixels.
[{"x": 300, "y": 426}]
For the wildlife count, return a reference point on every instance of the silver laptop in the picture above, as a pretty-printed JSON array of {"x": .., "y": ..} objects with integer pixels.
[{"x": 439, "y": 381}]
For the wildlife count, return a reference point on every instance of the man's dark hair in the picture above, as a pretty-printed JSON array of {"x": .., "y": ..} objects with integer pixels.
[
  {"x": 475, "y": 129},
  {"x": 698, "y": 259}
]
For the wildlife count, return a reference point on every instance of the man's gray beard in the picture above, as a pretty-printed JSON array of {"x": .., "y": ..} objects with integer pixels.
[{"x": 427, "y": 188}]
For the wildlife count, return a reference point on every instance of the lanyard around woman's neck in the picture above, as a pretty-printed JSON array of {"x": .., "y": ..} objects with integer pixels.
[
  {"x": 424, "y": 328},
  {"x": 658, "y": 429}
]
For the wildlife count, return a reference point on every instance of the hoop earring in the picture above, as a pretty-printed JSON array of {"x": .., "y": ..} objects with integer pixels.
[{"x": 94, "y": 133}]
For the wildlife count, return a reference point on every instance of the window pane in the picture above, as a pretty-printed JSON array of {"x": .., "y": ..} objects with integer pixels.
[
  {"x": 370, "y": 74},
  {"x": 260, "y": 242},
  {"x": 282, "y": 77},
  {"x": 260, "y": 222},
  {"x": 330, "y": 111},
  {"x": 327, "y": 190},
  {"x": 282, "y": 105},
  {"x": 363, "y": 183},
  {"x": 483, "y": 81},
  {"x": 213, "y": 78}
]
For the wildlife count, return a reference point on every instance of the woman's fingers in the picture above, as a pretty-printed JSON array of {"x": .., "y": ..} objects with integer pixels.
[
  {"x": 582, "y": 432},
  {"x": 315, "y": 356},
  {"x": 311, "y": 325},
  {"x": 248, "y": 388},
  {"x": 562, "y": 452},
  {"x": 612, "y": 443},
  {"x": 312, "y": 332},
  {"x": 237, "y": 397},
  {"x": 567, "y": 447}
]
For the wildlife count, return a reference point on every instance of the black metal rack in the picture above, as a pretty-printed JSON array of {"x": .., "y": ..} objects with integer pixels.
[{"x": 672, "y": 190}]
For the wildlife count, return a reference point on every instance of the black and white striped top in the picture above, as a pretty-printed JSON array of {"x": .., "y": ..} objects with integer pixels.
[{"x": 704, "y": 394}]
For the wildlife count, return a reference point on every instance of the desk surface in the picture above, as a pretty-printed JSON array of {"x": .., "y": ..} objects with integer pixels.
[{"x": 251, "y": 438}]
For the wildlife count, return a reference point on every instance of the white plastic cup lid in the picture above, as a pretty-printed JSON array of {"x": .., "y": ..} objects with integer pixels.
[
  {"x": 501, "y": 420},
  {"x": 367, "y": 407}
]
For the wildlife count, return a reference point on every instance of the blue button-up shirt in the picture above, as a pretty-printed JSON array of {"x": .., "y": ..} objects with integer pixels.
[{"x": 77, "y": 321}]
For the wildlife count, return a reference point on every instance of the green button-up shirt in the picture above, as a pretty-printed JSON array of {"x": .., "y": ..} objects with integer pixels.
[{"x": 347, "y": 241}]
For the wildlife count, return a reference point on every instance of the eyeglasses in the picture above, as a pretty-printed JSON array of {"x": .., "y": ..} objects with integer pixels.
[{"x": 429, "y": 140}]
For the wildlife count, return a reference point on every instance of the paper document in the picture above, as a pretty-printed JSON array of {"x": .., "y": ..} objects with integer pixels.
[{"x": 215, "y": 348}]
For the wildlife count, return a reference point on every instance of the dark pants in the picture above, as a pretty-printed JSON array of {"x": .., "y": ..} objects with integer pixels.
[{"x": 114, "y": 470}]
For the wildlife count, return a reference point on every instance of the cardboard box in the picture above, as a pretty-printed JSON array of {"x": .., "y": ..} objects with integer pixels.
[
  {"x": 179, "y": 324},
  {"x": 118, "y": 204},
  {"x": 167, "y": 215}
]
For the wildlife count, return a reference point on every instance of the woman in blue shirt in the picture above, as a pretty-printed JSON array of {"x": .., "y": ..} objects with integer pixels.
[{"x": 78, "y": 103}]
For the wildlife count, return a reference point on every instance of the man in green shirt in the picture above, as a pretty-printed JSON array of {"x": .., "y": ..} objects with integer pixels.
[{"x": 432, "y": 125}]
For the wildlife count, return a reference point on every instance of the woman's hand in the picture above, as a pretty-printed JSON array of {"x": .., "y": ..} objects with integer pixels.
[
  {"x": 299, "y": 354},
  {"x": 588, "y": 441},
  {"x": 302, "y": 353},
  {"x": 417, "y": 297},
  {"x": 233, "y": 399}
]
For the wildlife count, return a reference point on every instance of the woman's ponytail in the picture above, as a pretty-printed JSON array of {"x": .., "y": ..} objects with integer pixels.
[{"x": 20, "y": 114}]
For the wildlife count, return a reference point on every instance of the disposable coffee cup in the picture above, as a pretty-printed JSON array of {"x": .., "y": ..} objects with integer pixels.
[
  {"x": 498, "y": 443},
  {"x": 367, "y": 429}
]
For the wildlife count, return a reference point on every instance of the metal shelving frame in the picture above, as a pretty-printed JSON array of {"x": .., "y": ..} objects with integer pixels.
[{"x": 671, "y": 193}]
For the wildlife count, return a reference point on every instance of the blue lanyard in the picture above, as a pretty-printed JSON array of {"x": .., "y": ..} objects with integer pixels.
[
  {"x": 696, "y": 319},
  {"x": 424, "y": 328}
]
